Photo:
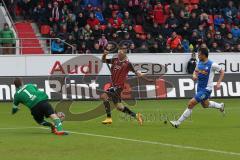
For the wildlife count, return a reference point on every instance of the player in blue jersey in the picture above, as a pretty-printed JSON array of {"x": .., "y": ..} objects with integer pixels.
[{"x": 204, "y": 74}]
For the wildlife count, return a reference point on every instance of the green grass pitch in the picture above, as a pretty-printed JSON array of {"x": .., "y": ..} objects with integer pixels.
[{"x": 206, "y": 136}]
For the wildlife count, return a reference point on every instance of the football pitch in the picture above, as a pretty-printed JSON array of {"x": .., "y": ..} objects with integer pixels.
[{"x": 206, "y": 135}]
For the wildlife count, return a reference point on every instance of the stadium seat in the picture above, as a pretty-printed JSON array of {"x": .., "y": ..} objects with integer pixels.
[
  {"x": 45, "y": 29},
  {"x": 167, "y": 9},
  {"x": 186, "y": 1},
  {"x": 138, "y": 29},
  {"x": 18, "y": 11},
  {"x": 190, "y": 8},
  {"x": 211, "y": 20},
  {"x": 229, "y": 27},
  {"x": 194, "y": 1},
  {"x": 116, "y": 7},
  {"x": 103, "y": 27},
  {"x": 215, "y": 16}
]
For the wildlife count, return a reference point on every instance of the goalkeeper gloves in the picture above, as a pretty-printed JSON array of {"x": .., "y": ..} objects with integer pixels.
[{"x": 14, "y": 109}]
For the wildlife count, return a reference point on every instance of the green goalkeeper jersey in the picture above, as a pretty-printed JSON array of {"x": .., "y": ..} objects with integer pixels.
[{"x": 29, "y": 95}]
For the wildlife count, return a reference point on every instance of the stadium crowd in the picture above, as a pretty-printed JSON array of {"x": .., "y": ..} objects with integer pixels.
[{"x": 143, "y": 26}]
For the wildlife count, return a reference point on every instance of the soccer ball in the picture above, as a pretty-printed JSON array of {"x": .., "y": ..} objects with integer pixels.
[{"x": 61, "y": 116}]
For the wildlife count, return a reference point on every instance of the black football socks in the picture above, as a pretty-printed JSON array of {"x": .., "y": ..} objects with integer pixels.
[
  {"x": 107, "y": 108},
  {"x": 128, "y": 111}
]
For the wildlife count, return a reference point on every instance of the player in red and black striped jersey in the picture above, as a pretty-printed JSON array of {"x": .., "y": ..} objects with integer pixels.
[{"x": 120, "y": 67}]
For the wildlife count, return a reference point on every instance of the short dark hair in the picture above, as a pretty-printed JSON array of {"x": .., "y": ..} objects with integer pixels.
[
  {"x": 203, "y": 51},
  {"x": 18, "y": 82}
]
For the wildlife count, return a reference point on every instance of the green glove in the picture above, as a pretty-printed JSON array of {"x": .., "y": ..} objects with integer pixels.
[{"x": 14, "y": 109}]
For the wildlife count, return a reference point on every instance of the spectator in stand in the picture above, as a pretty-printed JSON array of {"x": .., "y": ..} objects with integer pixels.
[
  {"x": 26, "y": 6},
  {"x": 38, "y": 15},
  {"x": 218, "y": 38},
  {"x": 103, "y": 42},
  {"x": 99, "y": 16},
  {"x": 71, "y": 41},
  {"x": 218, "y": 21},
  {"x": 146, "y": 10},
  {"x": 192, "y": 63},
  {"x": 8, "y": 39},
  {"x": 127, "y": 20},
  {"x": 161, "y": 42},
  {"x": 230, "y": 12},
  {"x": 172, "y": 22},
  {"x": 137, "y": 40},
  {"x": 114, "y": 38},
  {"x": 214, "y": 47},
  {"x": 194, "y": 21},
  {"x": 109, "y": 30},
  {"x": 82, "y": 49},
  {"x": 237, "y": 48},
  {"x": 97, "y": 49},
  {"x": 176, "y": 7},
  {"x": 179, "y": 49},
  {"x": 57, "y": 47},
  {"x": 223, "y": 30},
  {"x": 107, "y": 13},
  {"x": 185, "y": 46},
  {"x": 11, "y": 5},
  {"x": 70, "y": 21},
  {"x": 76, "y": 33},
  {"x": 227, "y": 48},
  {"x": 155, "y": 30},
  {"x": 127, "y": 39},
  {"x": 229, "y": 39},
  {"x": 142, "y": 49},
  {"x": 121, "y": 31},
  {"x": 194, "y": 38},
  {"x": 134, "y": 8},
  {"x": 196, "y": 9},
  {"x": 150, "y": 41},
  {"x": 94, "y": 3},
  {"x": 96, "y": 33},
  {"x": 55, "y": 13},
  {"x": 131, "y": 48},
  {"x": 81, "y": 20},
  {"x": 235, "y": 32},
  {"x": 87, "y": 32},
  {"x": 120, "y": 16},
  {"x": 115, "y": 21},
  {"x": 174, "y": 41},
  {"x": 154, "y": 48},
  {"x": 158, "y": 16},
  {"x": 186, "y": 31},
  {"x": 92, "y": 21}
]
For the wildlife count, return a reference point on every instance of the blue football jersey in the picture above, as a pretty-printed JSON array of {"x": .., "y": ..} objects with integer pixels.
[{"x": 206, "y": 71}]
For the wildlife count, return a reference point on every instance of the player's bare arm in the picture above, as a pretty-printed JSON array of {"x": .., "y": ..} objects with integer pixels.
[
  {"x": 218, "y": 86},
  {"x": 195, "y": 74}
]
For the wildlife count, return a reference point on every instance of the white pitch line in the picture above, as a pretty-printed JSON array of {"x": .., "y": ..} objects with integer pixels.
[
  {"x": 138, "y": 141},
  {"x": 158, "y": 143},
  {"x": 20, "y": 128}
]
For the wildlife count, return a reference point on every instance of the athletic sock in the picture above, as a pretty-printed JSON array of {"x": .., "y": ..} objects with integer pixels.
[
  {"x": 107, "y": 108},
  {"x": 128, "y": 111},
  {"x": 58, "y": 124},
  {"x": 185, "y": 115},
  {"x": 213, "y": 104},
  {"x": 45, "y": 123}
]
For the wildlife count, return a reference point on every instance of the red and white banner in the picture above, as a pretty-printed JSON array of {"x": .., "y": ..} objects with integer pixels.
[{"x": 43, "y": 65}]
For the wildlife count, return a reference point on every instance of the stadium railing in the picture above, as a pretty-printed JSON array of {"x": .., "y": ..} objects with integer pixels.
[
  {"x": 31, "y": 43},
  {"x": 6, "y": 18}
]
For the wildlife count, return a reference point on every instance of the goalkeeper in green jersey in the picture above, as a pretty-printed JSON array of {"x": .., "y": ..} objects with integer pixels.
[{"x": 37, "y": 102}]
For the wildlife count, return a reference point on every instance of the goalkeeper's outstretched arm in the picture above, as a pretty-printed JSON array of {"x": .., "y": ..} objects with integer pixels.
[{"x": 15, "y": 107}]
